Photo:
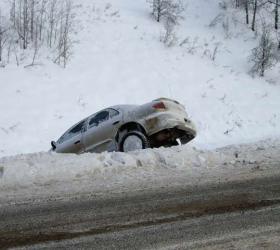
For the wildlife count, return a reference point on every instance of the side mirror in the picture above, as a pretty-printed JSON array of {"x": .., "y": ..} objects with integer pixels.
[{"x": 53, "y": 143}]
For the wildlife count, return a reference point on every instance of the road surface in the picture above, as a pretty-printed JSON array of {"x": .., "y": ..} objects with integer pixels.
[{"x": 241, "y": 214}]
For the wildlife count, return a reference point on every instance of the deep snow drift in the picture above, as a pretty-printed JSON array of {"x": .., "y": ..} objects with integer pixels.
[{"x": 118, "y": 58}]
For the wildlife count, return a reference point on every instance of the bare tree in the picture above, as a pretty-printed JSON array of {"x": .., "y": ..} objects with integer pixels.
[
  {"x": 166, "y": 8},
  {"x": 32, "y": 18},
  {"x": 3, "y": 35},
  {"x": 243, "y": 4},
  {"x": 64, "y": 42},
  {"x": 263, "y": 56},
  {"x": 33, "y": 24},
  {"x": 169, "y": 36},
  {"x": 174, "y": 11},
  {"x": 257, "y": 4},
  {"x": 13, "y": 13},
  {"x": 237, "y": 3},
  {"x": 52, "y": 17}
]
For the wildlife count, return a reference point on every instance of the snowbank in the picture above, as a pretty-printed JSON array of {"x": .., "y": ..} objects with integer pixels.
[{"x": 49, "y": 173}]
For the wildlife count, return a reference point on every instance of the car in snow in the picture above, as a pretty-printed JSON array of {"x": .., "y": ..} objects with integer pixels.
[{"x": 162, "y": 122}]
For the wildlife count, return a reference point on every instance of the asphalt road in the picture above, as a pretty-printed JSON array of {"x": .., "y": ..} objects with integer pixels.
[{"x": 233, "y": 215}]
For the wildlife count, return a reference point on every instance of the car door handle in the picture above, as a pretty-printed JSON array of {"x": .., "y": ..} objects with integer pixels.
[
  {"x": 77, "y": 142},
  {"x": 115, "y": 123}
]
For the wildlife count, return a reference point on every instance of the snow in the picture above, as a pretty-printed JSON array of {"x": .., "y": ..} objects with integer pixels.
[
  {"x": 42, "y": 175},
  {"x": 118, "y": 59}
]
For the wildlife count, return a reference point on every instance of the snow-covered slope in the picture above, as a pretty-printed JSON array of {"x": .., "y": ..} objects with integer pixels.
[{"x": 118, "y": 58}]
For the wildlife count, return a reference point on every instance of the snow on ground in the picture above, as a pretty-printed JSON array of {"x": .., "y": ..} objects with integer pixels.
[
  {"x": 118, "y": 58},
  {"x": 53, "y": 175}
]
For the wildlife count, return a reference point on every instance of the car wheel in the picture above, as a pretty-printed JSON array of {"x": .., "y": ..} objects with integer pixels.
[{"x": 134, "y": 140}]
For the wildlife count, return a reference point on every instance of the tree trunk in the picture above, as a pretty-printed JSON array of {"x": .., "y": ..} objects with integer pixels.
[
  {"x": 13, "y": 13},
  {"x": 32, "y": 19},
  {"x": 25, "y": 24},
  {"x": 254, "y": 14},
  {"x": 41, "y": 22},
  {"x": 1, "y": 32},
  {"x": 52, "y": 22},
  {"x": 264, "y": 48},
  {"x": 276, "y": 15},
  {"x": 158, "y": 10},
  {"x": 237, "y": 3},
  {"x": 0, "y": 44},
  {"x": 247, "y": 11}
]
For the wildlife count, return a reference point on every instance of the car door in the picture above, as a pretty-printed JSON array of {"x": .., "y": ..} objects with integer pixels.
[
  {"x": 100, "y": 131},
  {"x": 72, "y": 140}
]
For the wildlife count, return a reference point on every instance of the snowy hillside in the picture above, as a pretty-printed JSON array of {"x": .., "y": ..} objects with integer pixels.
[{"x": 118, "y": 58}]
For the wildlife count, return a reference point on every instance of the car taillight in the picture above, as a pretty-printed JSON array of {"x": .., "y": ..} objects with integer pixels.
[{"x": 159, "y": 106}]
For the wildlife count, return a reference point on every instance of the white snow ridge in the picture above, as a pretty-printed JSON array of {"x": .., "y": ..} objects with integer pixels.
[{"x": 49, "y": 174}]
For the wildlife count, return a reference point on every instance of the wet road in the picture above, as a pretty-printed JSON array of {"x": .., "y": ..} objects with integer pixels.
[{"x": 236, "y": 215}]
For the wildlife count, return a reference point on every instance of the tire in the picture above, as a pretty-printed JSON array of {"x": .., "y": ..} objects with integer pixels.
[{"x": 134, "y": 140}]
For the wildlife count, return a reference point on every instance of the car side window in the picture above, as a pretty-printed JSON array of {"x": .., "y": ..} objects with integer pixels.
[
  {"x": 99, "y": 118},
  {"x": 113, "y": 112},
  {"x": 77, "y": 129}
]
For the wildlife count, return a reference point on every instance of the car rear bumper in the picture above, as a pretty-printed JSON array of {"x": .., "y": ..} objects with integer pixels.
[
  {"x": 188, "y": 129},
  {"x": 166, "y": 120}
]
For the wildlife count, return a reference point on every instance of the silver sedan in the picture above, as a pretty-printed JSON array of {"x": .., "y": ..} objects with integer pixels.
[{"x": 162, "y": 122}]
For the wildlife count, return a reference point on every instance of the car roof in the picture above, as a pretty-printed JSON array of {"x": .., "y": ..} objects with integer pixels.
[
  {"x": 124, "y": 107},
  {"x": 121, "y": 108}
]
